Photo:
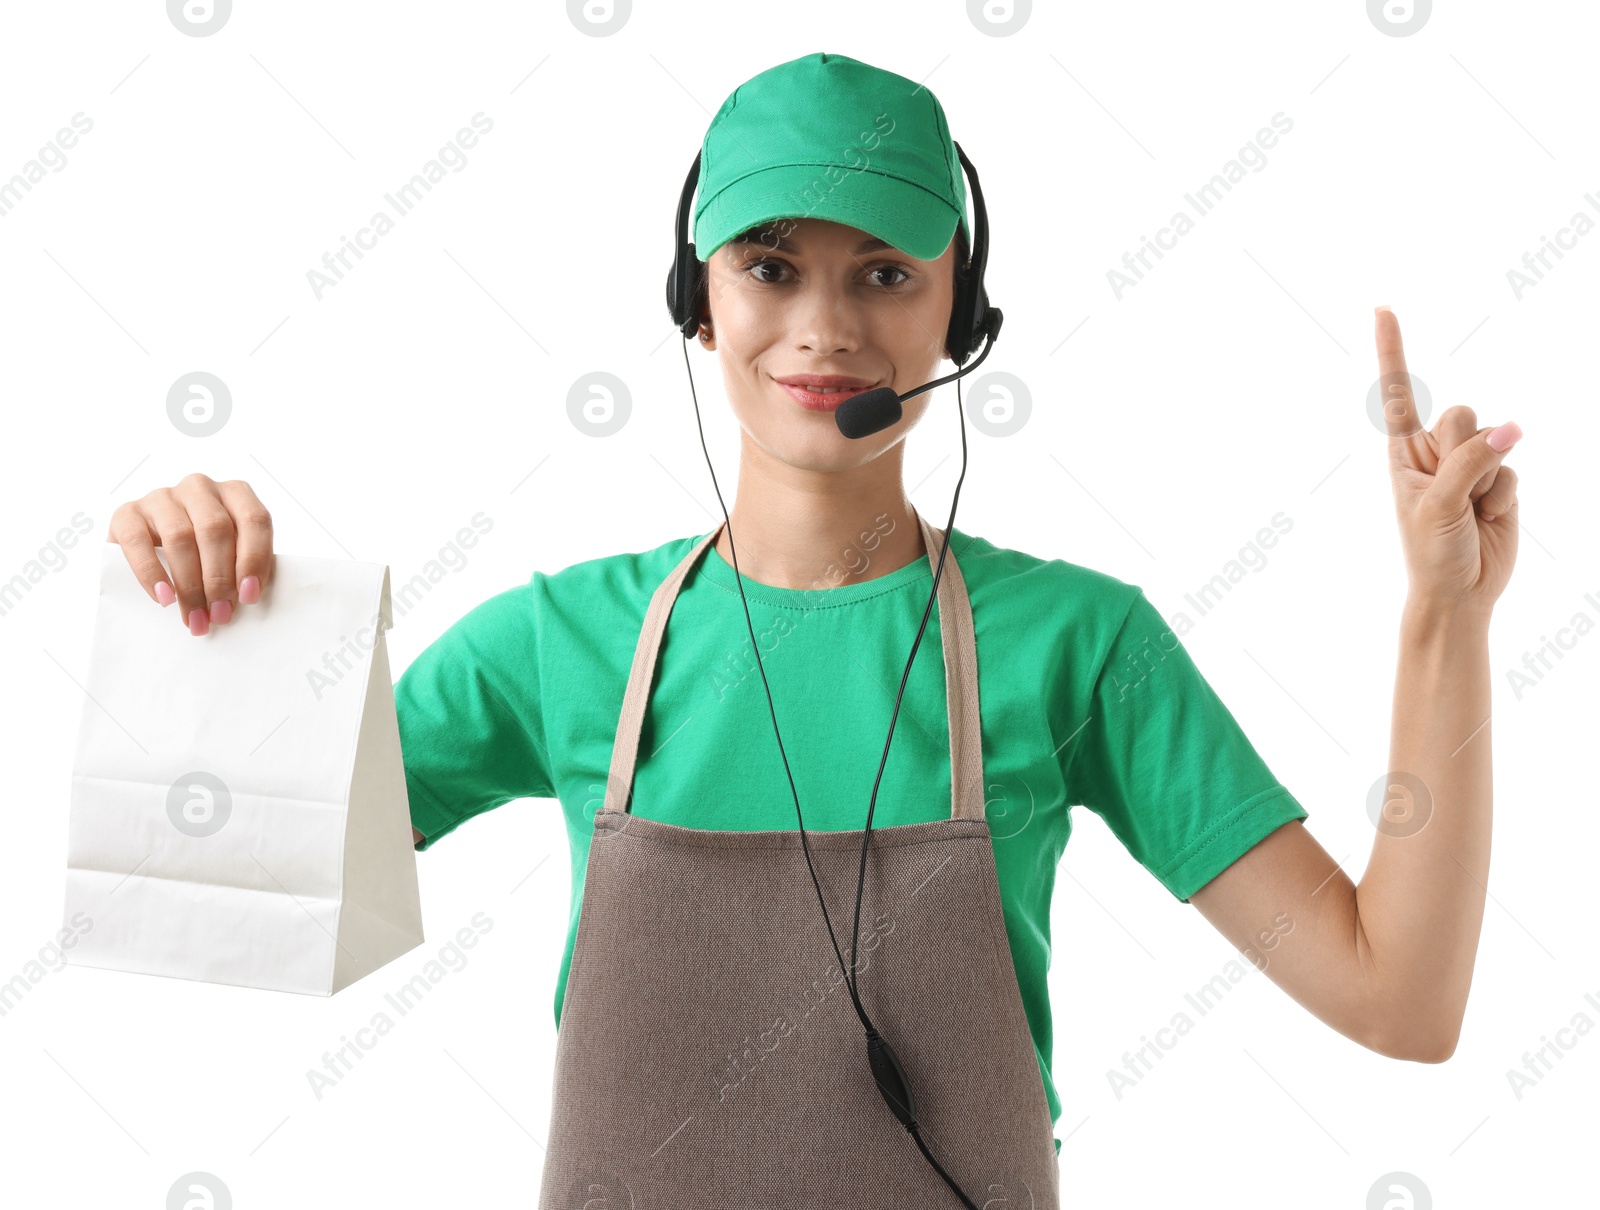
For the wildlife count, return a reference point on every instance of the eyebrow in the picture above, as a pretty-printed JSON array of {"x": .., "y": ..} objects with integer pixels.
[{"x": 783, "y": 245}]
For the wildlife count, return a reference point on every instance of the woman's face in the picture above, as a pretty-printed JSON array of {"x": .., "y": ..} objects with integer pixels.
[{"x": 801, "y": 297}]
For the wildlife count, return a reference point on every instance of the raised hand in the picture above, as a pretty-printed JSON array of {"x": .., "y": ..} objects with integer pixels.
[{"x": 1456, "y": 502}]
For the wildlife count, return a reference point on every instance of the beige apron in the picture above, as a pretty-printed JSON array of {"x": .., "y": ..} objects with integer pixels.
[{"x": 708, "y": 1052}]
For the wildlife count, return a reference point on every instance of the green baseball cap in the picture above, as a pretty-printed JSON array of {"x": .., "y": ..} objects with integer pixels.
[{"x": 830, "y": 137}]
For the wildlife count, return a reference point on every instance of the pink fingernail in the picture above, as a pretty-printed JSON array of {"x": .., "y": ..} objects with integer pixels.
[
  {"x": 164, "y": 593},
  {"x": 1504, "y": 437},
  {"x": 198, "y": 622},
  {"x": 249, "y": 590},
  {"x": 221, "y": 611}
]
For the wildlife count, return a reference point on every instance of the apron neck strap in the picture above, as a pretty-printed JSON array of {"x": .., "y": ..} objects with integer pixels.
[{"x": 954, "y": 611}]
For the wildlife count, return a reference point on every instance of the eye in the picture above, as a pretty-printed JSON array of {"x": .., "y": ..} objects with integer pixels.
[
  {"x": 764, "y": 262},
  {"x": 904, "y": 275}
]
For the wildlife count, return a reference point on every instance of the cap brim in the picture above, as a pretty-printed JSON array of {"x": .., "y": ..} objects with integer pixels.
[{"x": 907, "y": 216}]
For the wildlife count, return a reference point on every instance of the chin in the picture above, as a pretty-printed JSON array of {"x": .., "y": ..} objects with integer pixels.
[{"x": 822, "y": 447}]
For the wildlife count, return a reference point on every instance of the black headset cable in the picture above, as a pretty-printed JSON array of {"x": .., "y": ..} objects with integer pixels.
[{"x": 886, "y": 1068}]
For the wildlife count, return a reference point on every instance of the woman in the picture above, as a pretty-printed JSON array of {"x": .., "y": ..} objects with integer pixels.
[{"x": 717, "y": 1047}]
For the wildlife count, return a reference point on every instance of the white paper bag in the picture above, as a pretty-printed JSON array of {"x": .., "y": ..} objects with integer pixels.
[{"x": 239, "y": 810}]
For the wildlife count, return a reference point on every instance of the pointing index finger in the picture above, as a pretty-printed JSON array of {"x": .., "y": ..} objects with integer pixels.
[{"x": 1394, "y": 382}]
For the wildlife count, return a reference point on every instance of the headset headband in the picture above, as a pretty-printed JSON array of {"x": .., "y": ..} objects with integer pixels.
[{"x": 971, "y": 316}]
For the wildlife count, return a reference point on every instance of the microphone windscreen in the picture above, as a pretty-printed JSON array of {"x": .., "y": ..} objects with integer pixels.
[{"x": 869, "y": 412}]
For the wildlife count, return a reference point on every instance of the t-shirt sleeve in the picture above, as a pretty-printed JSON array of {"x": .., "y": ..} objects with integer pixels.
[
  {"x": 1166, "y": 765},
  {"x": 469, "y": 710}
]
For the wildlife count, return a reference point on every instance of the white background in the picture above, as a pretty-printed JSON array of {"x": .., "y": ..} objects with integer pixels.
[{"x": 1166, "y": 429}]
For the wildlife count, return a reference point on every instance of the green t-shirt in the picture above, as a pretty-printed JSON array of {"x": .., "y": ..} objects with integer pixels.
[{"x": 1087, "y": 698}]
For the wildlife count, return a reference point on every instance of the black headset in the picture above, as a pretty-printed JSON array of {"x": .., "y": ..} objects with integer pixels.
[{"x": 971, "y": 316}]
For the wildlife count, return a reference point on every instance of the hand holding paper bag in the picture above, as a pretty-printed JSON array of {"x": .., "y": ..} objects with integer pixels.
[{"x": 238, "y": 810}]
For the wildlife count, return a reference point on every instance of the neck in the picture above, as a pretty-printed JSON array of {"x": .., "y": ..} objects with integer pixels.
[{"x": 816, "y": 529}]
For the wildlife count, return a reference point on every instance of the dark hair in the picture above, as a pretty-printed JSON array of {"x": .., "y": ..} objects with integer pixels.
[{"x": 963, "y": 268}]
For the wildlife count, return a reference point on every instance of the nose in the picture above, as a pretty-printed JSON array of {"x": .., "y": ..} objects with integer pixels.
[
  {"x": 825, "y": 322},
  {"x": 825, "y": 341}
]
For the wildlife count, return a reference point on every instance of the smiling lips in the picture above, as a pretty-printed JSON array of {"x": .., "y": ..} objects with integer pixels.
[{"x": 822, "y": 392}]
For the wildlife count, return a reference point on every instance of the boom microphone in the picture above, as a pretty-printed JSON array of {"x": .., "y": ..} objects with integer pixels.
[{"x": 875, "y": 410}]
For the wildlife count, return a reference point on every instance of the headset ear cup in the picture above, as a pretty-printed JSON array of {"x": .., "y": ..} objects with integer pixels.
[
  {"x": 959, "y": 340},
  {"x": 697, "y": 275},
  {"x": 680, "y": 303},
  {"x": 980, "y": 312}
]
